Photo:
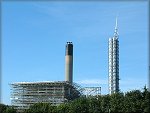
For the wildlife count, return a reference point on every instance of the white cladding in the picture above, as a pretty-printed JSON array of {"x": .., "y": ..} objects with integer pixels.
[{"x": 114, "y": 62}]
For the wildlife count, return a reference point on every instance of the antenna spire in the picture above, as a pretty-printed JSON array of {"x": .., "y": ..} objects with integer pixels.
[
  {"x": 116, "y": 24},
  {"x": 116, "y": 28}
]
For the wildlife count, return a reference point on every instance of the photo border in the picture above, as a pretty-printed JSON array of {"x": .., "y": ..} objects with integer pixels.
[{"x": 2, "y": 1}]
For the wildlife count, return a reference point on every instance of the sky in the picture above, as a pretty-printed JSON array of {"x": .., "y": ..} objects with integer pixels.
[{"x": 34, "y": 35}]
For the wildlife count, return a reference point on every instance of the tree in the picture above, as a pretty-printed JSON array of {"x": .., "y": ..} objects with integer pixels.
[
  {"x": 41, "y": 108},
  {"x": 10, "y": 109},
  {"x": 146, "y": 100},
  {"x": 2, "y": 108},
  {"x": 133, "y": 102},
  {"x": 7, "y": 109},
  {"x": 63, "y": 108},
  {"x": 94, "y": 105},
  {"x": 116, "y": 103},
  {"x": 79, "y": 105},
  {"x": 105, "y": 103}
]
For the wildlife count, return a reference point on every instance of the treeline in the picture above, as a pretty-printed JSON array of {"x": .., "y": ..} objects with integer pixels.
[
  {"x": 135, "y": 101},
  {"x": 7, "y": 109}
]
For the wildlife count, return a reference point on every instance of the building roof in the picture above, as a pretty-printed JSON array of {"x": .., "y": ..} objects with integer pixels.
[{"x": 40, "y": 82}]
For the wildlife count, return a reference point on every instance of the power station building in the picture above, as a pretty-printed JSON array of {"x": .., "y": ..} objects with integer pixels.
[
  {"x": 24, "y": 94},
  {"x": 113, "y": 71}
]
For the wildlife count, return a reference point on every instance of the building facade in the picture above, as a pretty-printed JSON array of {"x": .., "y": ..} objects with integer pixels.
[
  {"x": 114, "y": 62},
  {"x": 25, "y": 94}
]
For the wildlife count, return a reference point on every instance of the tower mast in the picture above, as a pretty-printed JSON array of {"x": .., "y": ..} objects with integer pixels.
[
  {"x": 116, "y": 28},
  {"x": 114, "y": 62}
]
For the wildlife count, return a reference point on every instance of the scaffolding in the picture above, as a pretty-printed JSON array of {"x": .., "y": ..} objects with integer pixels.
[
  {"x": 24, "y": 94},
  {"x": 91, "y": 91}
]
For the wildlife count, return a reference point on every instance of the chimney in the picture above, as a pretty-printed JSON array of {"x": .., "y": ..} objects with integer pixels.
[{"x": 69, "y": 62}]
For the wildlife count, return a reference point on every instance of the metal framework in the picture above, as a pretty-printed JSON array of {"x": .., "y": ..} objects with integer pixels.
[
  {"x": 24, "y": 94},
  {"x": 91, "y": 91},
  {"x": 114, "y": 62}
]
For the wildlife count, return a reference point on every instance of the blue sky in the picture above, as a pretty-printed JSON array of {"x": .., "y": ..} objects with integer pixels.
[{"x": 34, "y": 35}]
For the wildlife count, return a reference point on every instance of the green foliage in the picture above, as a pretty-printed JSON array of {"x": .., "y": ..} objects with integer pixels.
[
  {"x": 7, "y": 109},
  {"x": 2, "y": 108},
  {"x": 41, "y": 108},
  {"x": 105, "y": 103},
  {"x": 63, "y": 108},
  {"x": 94, "y": 105},
  {"x": 146, "y": 101},
  {"x": 133, "y": 102},
  {"x": 116, "y": 103},
  {"x": 79, "y": 105},
  {"x": 10, "y": 110}
]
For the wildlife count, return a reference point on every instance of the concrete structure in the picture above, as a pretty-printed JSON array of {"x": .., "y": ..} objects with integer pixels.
[
  {"x": 114, "y": 62},
  {"x": 69, "y": 62},
  {"x": 24, "y": 94}
]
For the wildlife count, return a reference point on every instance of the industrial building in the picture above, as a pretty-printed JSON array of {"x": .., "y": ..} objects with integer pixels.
[
  {"x": 24, "y": 94},
  {"x": 113, "y": 70}
]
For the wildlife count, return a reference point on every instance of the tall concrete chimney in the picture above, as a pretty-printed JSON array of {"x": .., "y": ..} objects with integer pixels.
[{"x": 69, "y": 62}]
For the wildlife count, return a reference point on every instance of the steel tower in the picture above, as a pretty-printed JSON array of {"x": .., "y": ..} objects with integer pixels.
[{"x": 114, "y": 62}]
